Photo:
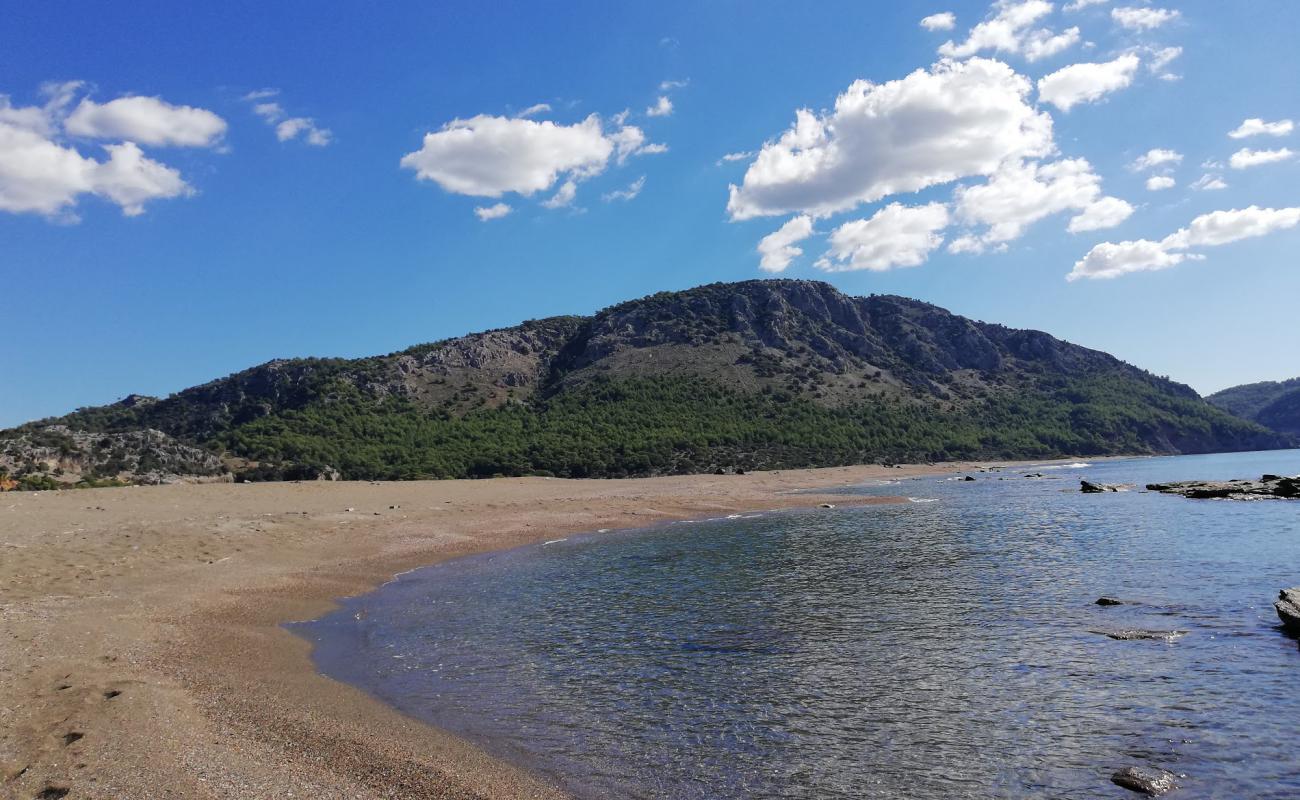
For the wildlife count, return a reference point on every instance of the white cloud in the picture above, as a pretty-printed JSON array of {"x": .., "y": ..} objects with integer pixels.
[
  {"x": 1044, "y": 44},
  {"x": 563, "y": 196},
  {"x": 1079, "y": 5},
  {"x": 1106, "y": 212},
  {"x": 488, "y": 156},
  {"x": 1258, "y": 127},
  {"x": 1223, "y": 227},
  {"x": 1142, "y": 19},
  {"x": 1162, "y": 58},
  {"x": 895, "y": 236},
  {"x": 662, "y": 107},
  {"x": 1158, "y": 183},
  {"x": 777, "y": 248},
  {"x": 633, "y": 189},
  {"x": 1209, "y": 183},
  {"x": 1084, "y": 83},
  {"x": 130, "y": 179},
  {"x": 146, "y": 120},
  {"x": 1156, "y": 157},
  {"x": 497, "y": 211},
  {"x": 40, "y": 176},
  {"x": 943, "y": 21},
  {"x": 538, "y": 108},
  {"x": 288, "y": 128},
  {"x": 1004, "y": 29},
  {"x": 1245, "y": 157},
  {"x": 958, "y": 119},
  {"x": 740, "y": 156},
  {"x": 1110, "y": 260},
  {"x": 1021, "y": 194},
  {"x": 667, "y": 86}
]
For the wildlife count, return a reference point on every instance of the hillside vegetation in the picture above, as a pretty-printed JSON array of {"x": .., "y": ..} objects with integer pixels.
[
  {"x": 759, "y": 374},
  {"x": 1273, "y": 404}
]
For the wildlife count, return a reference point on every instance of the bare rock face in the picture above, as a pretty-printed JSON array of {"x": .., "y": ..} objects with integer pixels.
[
  {"x": 1288, "y": 608},
  {"x": 1268, "y": 486},
  {"x": 1088, "y": 487},
  {"x": 1150, "y": 781}
]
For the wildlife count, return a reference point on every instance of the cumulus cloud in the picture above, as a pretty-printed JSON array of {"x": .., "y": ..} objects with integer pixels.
[
  {"x": 1021, "y": 194},
  {"x": 1246, "y": 158},
  {"x": 489, "y": 156},
  {"x": 1156, "y": 157},
  {"x": 1158, "y": 183},
  {"x": 1079, "y": 5},
  {"x": 1209, "y": 183},
  {"x": 286, "y": 127},
  {"x": 895, "y": 236},
  {"x": 40, "y": 173},
  {"x": 943, "y": 21},
  {"x": 1142, "y": 18},
  {"x": 496, "y": 211},
  {"x": 958, "y": 119},
  {"x": 145, "y": 120},
  {"x": 563, "y": 196},
  {"x": 662, "y": 107},
  {"x": 1085, "y": 83},
  {"x": 1111, "y": 260},
  {"x": 1044, "y": 44},
  {"x": 1004, "y": 30},
  {"x": 777, "y": 249},
  {"x": 633, "y": 189},
  {"x": 1258, "y": 127}
]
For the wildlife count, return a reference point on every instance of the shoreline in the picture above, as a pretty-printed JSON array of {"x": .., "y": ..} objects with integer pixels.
[{"x": 145, "y": 644}]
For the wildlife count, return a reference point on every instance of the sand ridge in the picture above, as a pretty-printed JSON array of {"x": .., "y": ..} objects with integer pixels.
[{"x": 141, "y": 647}]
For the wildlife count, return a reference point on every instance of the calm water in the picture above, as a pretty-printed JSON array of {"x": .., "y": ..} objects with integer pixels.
[{"x": 937, "y": 649}]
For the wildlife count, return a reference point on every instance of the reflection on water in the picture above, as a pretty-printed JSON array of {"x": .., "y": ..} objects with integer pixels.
[{"x": 930, "y": 649}]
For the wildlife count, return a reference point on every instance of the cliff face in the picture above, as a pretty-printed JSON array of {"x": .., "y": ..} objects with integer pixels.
[{"x": 789, "y": 347}]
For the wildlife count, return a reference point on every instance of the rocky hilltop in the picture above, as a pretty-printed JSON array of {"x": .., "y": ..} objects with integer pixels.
[
  {"x": 1273, "y": 404},
  {"x": 764, "y": 373}
]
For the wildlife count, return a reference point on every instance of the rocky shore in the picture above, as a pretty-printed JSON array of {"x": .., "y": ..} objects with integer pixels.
[{"x": 1268, "y": 486}]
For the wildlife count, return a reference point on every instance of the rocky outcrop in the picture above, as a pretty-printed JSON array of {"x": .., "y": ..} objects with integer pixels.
[
  {"x": 1288, "y": 608},
  {"x": 1088, "y": 487},
  {"x": 1151, "y": 781},
  {"x": 1268, "y": 486},
  {"x": 67, "y": 456}
]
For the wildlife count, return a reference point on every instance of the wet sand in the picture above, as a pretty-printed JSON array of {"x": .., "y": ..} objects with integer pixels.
[{"x": 141, "y": 647}]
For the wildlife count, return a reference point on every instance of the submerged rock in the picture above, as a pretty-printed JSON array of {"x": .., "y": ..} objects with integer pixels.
[
  {"x": 1288, "y": 608},
  {"x": 1109, "y": 601},
  {"x": 1267, "y": 486},
  {"x": 968, "y": 478},
  {"x": 1146, "y": 780},
  {"x": 1130, "y": 634}
]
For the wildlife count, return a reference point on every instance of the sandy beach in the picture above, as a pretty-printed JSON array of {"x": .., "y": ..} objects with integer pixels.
[{"x": 143, "y": 654}]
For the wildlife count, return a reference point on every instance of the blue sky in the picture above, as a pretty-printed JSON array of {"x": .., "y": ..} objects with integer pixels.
[{"x": 246, "y": 181}]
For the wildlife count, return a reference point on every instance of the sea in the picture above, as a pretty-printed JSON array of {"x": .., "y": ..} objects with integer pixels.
[{"x": 948, "y": 646}]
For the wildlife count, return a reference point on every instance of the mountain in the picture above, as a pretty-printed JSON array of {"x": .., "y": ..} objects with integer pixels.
[
  {"x": 758, "y": 374},
  {"x": 1273, "y": 404}
]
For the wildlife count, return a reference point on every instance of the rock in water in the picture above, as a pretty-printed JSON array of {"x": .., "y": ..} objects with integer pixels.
[
  {"x": 1132, "y": 634},
  {"x": 1268, "y": 486},
  {"x": 1088, "y": 487},
  {"x": 1109, "y": 601},
  {"x": 1288, "y": 608},
  {"x": 1147, "y": 780}
]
